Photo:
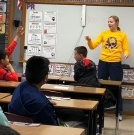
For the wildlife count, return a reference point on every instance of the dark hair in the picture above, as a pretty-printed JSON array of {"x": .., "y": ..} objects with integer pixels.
[
  {"x": 5, "y": 130},
  {"x": 37, "y": 67},
  {"x": 81, "y": 50},
  {"x": 116, "y": 19},
  {"x": 2, "y": 54}
]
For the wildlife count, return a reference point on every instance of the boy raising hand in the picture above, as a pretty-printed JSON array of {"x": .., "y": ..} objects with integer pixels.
[{"x": 6, "y": 70}]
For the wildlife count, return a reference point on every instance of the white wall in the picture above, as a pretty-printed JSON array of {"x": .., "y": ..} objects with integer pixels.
[{"x": 69, "y": 28}]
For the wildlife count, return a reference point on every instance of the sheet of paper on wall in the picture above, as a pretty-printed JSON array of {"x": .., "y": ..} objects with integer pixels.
[
  {"x": 49, "y": 52},
  {"x": 50, "y": 16},
  {"x": 24, "y": 67},
  {"x": 61, "y": 69},
  {"x": 50, "y": 28},
  {"x": 34, "y": 39},
  {"x": 51, "y": 69},
  {"x": 2, "y": 7},
  {"x": 49, "y": 39},
  {"x": 35, "y": 16},
  {"x": 71, "y": 70},
  {"x": 2, "y": 17},
  {"x": 2, "y": 28},
  {"x": 34, "y": 50},
  {"x": 35, "y": 27}
]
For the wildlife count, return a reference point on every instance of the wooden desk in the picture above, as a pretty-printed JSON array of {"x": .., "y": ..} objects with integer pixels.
[
  {"x": 50, "y": 77},
  {"x": 9, "y": 84},
  {"x": 85, "y": 91},
  {"x": 48, "y": 130},
  {"x": 88, "y": 105},
  {"x": 73, "y": 89},
  {"x": 2, "y": 95},
  {"x": 77, "y": 104},
  {"x": 6, "y": 99},
  {"x": 110, "y": 82}
]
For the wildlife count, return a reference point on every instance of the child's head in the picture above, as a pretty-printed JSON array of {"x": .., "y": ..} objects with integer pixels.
[
  {"x": 5, "y": 130},
  {"x": 4, "y": 60},
  {"x": 37, "y": 68},
  {"x": 80, "y": 53}
]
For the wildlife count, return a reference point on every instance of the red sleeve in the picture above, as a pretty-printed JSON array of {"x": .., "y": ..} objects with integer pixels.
[
  {"x": 11, "y": 47},
  {"x": 11, "y": 76},
  {"x": 8, "y": 76}
]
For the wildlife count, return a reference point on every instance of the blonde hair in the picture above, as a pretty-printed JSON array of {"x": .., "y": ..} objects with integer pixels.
[{"x": 116, "y": 19}]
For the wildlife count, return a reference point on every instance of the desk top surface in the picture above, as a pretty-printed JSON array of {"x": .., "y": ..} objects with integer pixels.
[
  {"x": 47, "y": 130},
  {"x": 9, "y": 84},
  {"x": 72, "y": 103},
  {"x": 2, "y": 95},
  {"x": 77, "y": 104},
  {"x": 74, "y": 89},
  {"x": 6, "y": 99},
  {"x": 110, "y": 82},
  {"x": 63, "y": 88}
]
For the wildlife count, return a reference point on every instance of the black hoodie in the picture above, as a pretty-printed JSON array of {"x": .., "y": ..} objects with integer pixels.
[{"x": 85, "y": 73}]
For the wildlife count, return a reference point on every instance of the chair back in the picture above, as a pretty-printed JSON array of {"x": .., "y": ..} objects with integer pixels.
[{"x": 17, "y": 118}]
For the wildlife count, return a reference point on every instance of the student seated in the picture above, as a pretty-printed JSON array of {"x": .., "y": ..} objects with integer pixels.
[
  {"x": 6, "y": 70},
  {"x": 3, "y": 118},
  {"x": 5, "y": 130},
  {"x": 84, "y": 68},
  {"x": 27, "y": 100}
]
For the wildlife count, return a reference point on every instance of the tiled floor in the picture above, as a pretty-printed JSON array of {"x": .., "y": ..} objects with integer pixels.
[{"x": 126, "y": 127}]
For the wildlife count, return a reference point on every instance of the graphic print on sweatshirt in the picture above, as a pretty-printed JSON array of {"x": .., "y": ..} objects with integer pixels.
[{"x": 111, "y": 43}]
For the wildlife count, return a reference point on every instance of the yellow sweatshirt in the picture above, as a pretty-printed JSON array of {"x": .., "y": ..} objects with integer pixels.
[{"x": 113, "y": 45}]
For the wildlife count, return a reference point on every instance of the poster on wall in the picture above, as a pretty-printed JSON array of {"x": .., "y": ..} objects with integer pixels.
[
  {"x": 2, "y": 7},
  {"x": 71, "y": 70},
  {"x": 34, "y": 50},
  {"x": 35, "y": 27},
  {"x": 49, "y": 51},
  {"x": 35, "y": 16},
  {"x": 50, "y": 16},
  {"x": 128, "y": 75},
  {"x": 2, "y": 28},
  {"x": 34, "y": 39},
  {"x": 50, "y": 28},
  {"x": 49, "y": 39},
  {"x": 61, "y": 69},
  {"x": 51, "y": 69},
  {"x": 2, "y": 17}
]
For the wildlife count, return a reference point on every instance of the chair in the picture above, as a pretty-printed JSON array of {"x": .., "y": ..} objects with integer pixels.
[{"x": 17, "y": 118}]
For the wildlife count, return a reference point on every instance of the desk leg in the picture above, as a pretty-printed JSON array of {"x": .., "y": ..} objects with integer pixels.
[
  {"x": 101, "y": 113},
  {"x": 90, "y": 121},
  {"x": 94, "y": 121},
  {"x": 117, "y": 110}
]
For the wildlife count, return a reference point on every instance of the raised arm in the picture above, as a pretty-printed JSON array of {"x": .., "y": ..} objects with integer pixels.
[{"x": 13, "y": 44}]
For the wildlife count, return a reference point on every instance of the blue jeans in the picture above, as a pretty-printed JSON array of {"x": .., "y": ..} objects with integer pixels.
[{"x": 112, "y": 71}]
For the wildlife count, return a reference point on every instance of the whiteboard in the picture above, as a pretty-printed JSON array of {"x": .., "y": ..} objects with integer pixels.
[{"x": 69, "y": 28}]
